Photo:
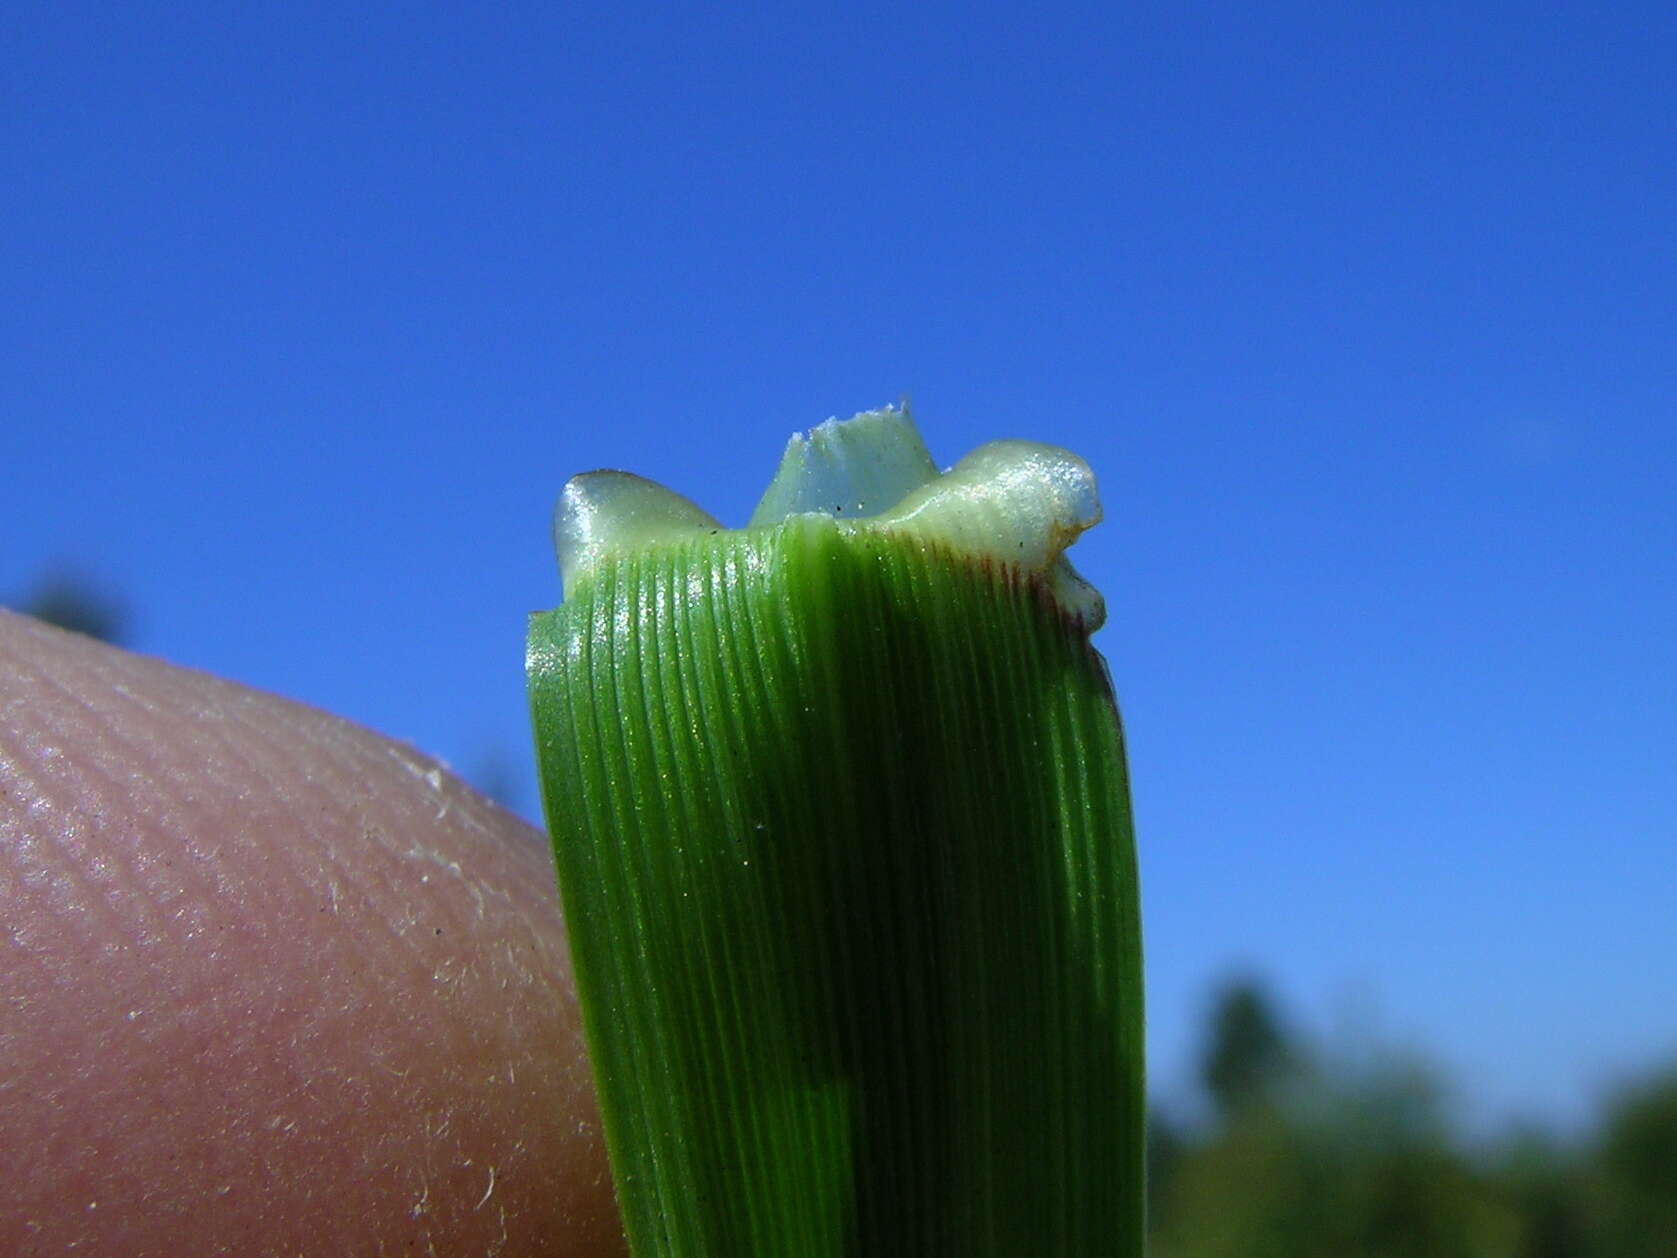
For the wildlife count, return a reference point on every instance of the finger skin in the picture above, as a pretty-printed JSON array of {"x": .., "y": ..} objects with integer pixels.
[{"x": 271, "y": 984}]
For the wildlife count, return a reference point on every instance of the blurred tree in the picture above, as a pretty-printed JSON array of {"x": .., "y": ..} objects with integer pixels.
[
  {"x": 1166, "y": 1146},
  {"x": 1247, "y": 1193},
  {"x": 75, "y": 602},
  {"x": 1636, "y": 1166},
  {"x": 1348, "y": 1155},
  {"x": 1417, "y": 1203},
  {"x": 1249, "y": 1054},
  {"x": 1541, "y": 1183},
  {"x": 1395, "y": 1184},
  {"x": 1345, "y": 1165}
]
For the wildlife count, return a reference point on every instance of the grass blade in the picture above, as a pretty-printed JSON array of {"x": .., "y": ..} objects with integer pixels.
[{"x": 844, "y": 841}]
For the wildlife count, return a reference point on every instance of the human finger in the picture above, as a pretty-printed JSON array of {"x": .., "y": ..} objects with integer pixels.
[{"x": 271, "y": 983}]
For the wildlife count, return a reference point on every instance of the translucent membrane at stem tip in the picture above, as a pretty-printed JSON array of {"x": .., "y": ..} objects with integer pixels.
[{"x": 1013, "y": 503}]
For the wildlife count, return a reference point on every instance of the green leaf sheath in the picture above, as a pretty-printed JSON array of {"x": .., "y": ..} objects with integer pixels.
[{"x": 844, "y": 841}]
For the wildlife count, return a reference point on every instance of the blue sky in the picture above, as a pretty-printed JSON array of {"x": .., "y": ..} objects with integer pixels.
[{"x": 1366, "y": 319}]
